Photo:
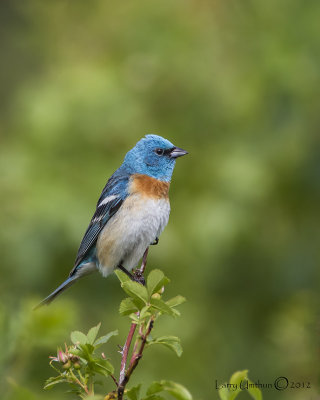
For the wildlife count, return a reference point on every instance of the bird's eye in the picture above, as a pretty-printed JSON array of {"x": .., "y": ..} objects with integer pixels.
[{"x": 159, "y": 152}]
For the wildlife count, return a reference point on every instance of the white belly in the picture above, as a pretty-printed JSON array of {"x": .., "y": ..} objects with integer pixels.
[{"x": 130, "y": 231}]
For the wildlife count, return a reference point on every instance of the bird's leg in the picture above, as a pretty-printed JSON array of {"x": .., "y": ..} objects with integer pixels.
[
  {"x": 136, "y": 276},
  {"x": 156, "y": 241},
  {"x": 138, "y": 273},
  {"x": 123, "y": 269}
]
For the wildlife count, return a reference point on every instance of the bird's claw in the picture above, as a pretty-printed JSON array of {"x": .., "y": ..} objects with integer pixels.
[
  {"x": 138, "y": 277},
  {"x": 156, "y": 241}
]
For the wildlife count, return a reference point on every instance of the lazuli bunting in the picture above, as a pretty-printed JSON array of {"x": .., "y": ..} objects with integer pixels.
[{"x": 132, "y": 211}]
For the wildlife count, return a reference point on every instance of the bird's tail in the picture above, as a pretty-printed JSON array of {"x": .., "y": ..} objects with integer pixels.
[{"x": 67, "y": 283}]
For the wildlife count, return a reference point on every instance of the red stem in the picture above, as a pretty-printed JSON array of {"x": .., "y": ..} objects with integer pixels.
[
  {"x": 126, "y": 348},
  {"x": 135, "y": 347},
  {"x": 125, "y": 352}
]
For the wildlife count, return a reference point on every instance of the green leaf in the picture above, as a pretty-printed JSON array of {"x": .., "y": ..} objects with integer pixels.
[
  {"x": 254, "y": 392},
  {"x": 224, "y": 393},
  {"x": 176, "y": 301},
  {"x": 127, "y": 307},
  {"x": 78, "y": 337},
  {"x": 137, "y": 291},
  {"x": 87, "y": 350},
  {"x": 102, "y": 367},
  {"x": 160, "y": 305},
  {"x": 171, "y": 342},
  {"x": 155, "y": 281},
  {"x": 135, "y": 318},
  {"x": 175, "y": 312},
  {"x": 92, "y": 334},
  {"x": 144, "y": 313},
  {"x": 238, "y": 382},
  {"x": 238, "y": 377},
  {"x": 54, "y": 380},
  {"x": 122, "y": 276},
  {"x": 105, "y": 338},
  {"x": 154, "y": 397},
  {"x": 133, "y": 393},
  {"x": 94, "y": 397},
  {"x": 227, "y": 394},
  {"x": 229, "y": 391},
  {"x": 175, "y": 389}
]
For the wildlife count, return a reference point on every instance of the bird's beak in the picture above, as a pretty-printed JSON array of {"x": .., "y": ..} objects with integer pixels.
[{"x": 177, "y": 152}]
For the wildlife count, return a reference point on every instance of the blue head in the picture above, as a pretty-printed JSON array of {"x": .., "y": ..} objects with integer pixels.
[{"x": 153, "y": 156}]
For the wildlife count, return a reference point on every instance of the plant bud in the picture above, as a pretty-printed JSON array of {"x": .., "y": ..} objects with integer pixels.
[
  {"x": 77, "y": 365},
  {"x": 161, "y": 291},
  {"x": 62, "y": 357},
  {"x": 67, "y": 365},
  {"x": 156, "y": 296}
]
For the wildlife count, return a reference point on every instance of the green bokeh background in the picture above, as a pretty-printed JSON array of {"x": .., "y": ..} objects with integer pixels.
[{"x": 236, "y": 83}]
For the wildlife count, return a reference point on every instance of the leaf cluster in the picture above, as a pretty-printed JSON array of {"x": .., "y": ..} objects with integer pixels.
[
  {"x": 79, "y": 364},
  {"x": 85, "y": 346},
  {"x": 147, "y": 299},
  {"x": 145, "y": 302}
]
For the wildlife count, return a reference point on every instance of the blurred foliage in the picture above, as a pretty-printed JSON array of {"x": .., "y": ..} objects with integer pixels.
[{"x": 236, "y": 83}]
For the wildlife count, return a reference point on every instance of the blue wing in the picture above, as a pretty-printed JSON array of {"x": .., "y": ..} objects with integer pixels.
[{"x": 111, "y": 199}]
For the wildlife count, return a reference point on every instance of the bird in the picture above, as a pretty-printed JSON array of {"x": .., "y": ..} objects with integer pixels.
[{"x": 131, "y": 213}]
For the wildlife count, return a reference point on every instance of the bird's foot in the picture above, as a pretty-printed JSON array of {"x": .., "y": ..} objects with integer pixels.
[
  {"x": 156, "y": 241},
  {"x": 138, "y": 277}
]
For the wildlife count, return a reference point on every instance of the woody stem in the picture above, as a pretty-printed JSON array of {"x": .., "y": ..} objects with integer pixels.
[{"x": 125, "y": 351}]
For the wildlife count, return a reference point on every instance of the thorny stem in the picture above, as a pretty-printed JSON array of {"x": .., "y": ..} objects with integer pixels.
[
  {"x": 134, "y": 361},
  {"x": 125, "y": 352},
  {"x": 123, "y": 378}
]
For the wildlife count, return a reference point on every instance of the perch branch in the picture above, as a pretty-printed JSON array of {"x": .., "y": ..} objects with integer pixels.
[
  {"x": 125, "y": 351},
  {"x": 134, "y": 361}
]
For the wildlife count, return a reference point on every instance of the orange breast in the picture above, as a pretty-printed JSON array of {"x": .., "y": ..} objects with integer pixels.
[{"x": 149, "y": 187}]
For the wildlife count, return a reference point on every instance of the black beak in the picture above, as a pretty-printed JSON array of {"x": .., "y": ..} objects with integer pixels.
[{"x": 177, "y": 152}]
